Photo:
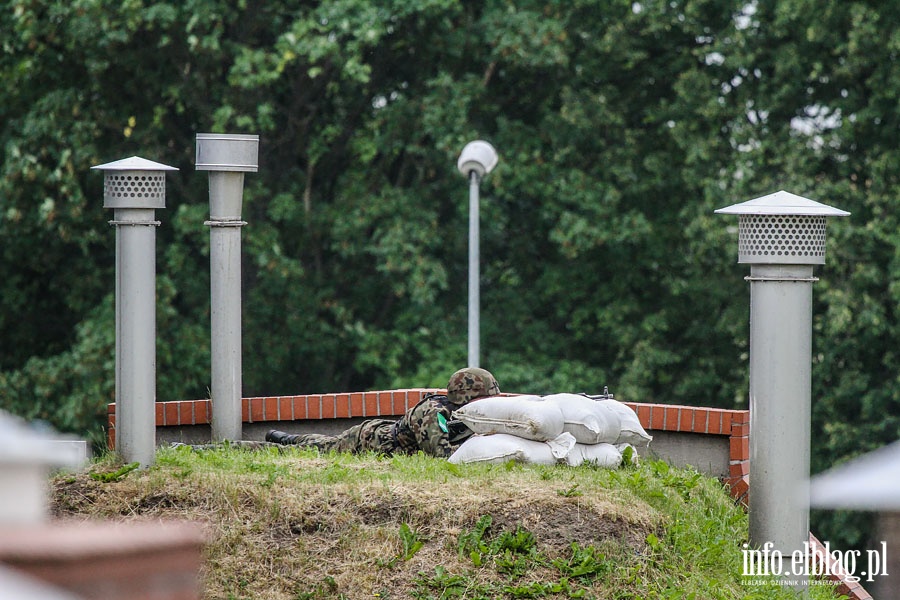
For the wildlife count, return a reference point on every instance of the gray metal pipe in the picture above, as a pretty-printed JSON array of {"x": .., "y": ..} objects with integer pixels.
[
  {"x": 227, "y": 157},
  {"x": 225, "y": 193},
  {"x": 474, "y": 273},
  {"x": 135, "y": 187},
  {"x": 781, "y": 236},
  {"x": 780, "y": 399},
  {"x": 136, "y": 334}
]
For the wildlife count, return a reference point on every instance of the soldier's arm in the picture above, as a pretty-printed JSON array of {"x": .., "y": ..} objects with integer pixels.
[{"x": 431, "y": 431}]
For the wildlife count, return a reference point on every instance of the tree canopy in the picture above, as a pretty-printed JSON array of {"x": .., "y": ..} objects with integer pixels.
[{"x": 620, "y": 127}]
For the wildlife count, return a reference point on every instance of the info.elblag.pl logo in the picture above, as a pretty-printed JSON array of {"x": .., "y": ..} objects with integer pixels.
[{"x": 768, "y": 562}]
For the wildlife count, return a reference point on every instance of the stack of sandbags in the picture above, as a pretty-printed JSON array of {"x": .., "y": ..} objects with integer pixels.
[{"x": 561, "y": 428}]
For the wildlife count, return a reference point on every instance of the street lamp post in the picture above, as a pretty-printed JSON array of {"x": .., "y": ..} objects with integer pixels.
[{"x": 476, "y": 160}]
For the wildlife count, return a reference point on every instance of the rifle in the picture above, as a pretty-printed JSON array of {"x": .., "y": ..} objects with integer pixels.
[{"x": 606, "y": 395}]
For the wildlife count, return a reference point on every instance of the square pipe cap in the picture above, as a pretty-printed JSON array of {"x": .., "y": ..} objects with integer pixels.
[
  {"x": 227, "y": 152},
  {"x": 134, "y": 182}
]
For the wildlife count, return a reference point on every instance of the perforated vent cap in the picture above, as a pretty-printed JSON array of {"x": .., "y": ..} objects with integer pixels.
[
  {"x": 125, "y": 187},
  {"x": 794, "y": 239},
  {"x": 782, "y": 228},
  {"x": 134, "y": 183}
]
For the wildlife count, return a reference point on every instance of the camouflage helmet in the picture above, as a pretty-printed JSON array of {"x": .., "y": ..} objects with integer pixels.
[{"x": 470, "y": 383}]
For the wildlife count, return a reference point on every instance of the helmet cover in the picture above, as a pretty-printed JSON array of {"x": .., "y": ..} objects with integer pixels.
[{"x": 470, "y": 383}]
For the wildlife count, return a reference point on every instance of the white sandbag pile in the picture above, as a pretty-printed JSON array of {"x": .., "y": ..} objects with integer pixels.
[{"x": 561, "y": 428}]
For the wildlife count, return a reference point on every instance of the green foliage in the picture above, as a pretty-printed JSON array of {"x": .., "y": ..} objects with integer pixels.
[
  {"x": 472, "y": 543},
  {"x": 324, "y": 589},
  {"x": 584, "y": 563},
  {"x": 411, "y": 540},
  {"x": 117, "y": 474},
  {"x": 449, "y": 586},
  {"x": 411, "y": 543},
  {"x": 569, "y": 492},
  {"x": 621, "y": 126}
]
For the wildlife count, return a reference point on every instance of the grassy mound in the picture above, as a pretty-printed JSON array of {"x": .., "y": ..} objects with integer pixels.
[{"x": 297, "y": 525}]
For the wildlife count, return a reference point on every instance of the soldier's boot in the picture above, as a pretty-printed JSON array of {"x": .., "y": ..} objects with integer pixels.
[{"x": 280, "y": 437}]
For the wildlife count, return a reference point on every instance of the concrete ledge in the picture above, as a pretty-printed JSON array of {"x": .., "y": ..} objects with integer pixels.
[
  {"x": 73, "y": 452},
  {"x": 709, "y": 454}
]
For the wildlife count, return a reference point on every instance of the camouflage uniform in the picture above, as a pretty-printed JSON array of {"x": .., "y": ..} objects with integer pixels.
[
  {"x": 371, "y": 435},
  {"x": 427, "y": 426}
]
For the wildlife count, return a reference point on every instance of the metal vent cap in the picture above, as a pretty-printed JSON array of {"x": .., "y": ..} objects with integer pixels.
[
  {"x": 782, "y": 228},
  {"x": 227, "y": 152},
  {"x": 134, "y": 183},
  {"x": 792, "y": 239}
]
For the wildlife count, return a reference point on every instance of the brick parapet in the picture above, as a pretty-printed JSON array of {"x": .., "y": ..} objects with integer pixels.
[
  {"x": 845, "y": 585},
  {"x": 393, "y": 403},
  {"x": 739, "y": 462}
]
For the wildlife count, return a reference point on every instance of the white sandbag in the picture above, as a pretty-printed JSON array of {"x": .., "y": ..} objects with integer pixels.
[
  {"x": 601, "y": 455},
  {"x": 631, "y": 431},
  {"x": 590, "y": 421},
  {"x": 527, "y": 417},
  {"x": 502, "y": 447}
]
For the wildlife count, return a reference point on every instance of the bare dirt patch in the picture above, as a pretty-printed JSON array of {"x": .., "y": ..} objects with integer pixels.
[{"x": 286, "y": 538}]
